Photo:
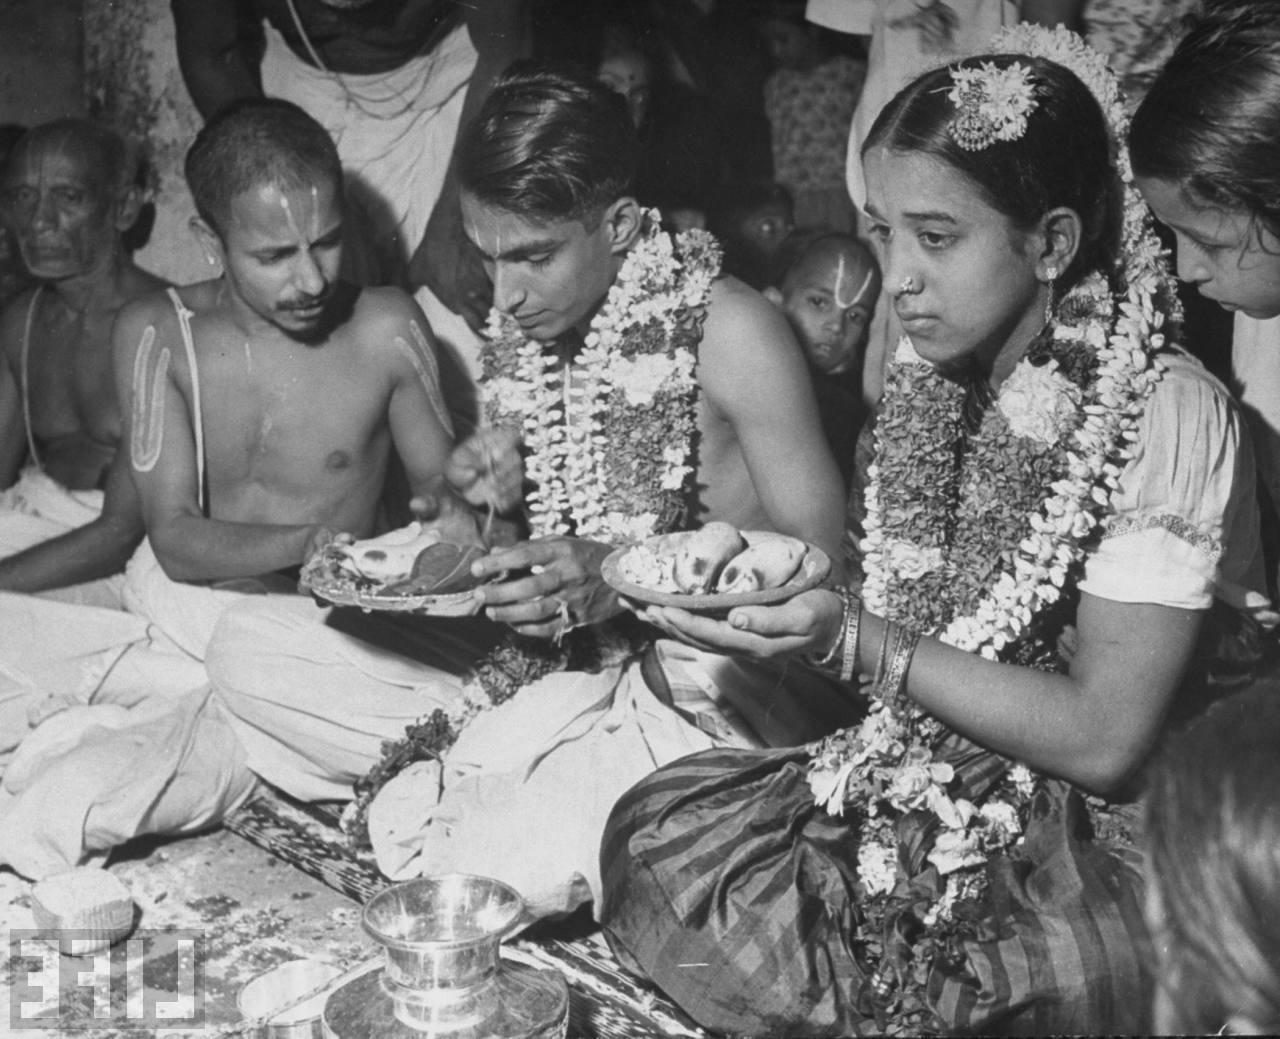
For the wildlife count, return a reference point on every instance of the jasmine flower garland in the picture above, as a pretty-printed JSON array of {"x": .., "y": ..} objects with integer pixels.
[
  {"x": 971, "y": 536},
  {"x": 609, "y": 432}
]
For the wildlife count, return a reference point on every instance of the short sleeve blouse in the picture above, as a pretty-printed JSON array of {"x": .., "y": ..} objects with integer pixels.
[{"x": 1185, "y": 525}]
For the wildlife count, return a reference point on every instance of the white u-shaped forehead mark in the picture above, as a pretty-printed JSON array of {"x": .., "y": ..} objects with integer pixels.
[
  {"x": 150, "y": 382},
  {"x": 315, "y": 212},
  {"x": 857, "y": 296}
]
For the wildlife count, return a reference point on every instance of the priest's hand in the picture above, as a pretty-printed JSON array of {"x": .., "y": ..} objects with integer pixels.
[{"x": 555, "y": 586}]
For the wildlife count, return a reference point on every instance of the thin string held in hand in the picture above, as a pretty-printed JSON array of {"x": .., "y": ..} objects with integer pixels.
[{"x": 491, "y": 501}]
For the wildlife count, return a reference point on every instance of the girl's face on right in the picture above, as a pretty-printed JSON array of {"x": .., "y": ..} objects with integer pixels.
[
  {"x": 1224, "y": 253},
  {"x": 961, "y": 275}
]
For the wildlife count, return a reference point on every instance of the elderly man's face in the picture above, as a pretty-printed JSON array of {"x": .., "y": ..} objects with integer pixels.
[{"x": 61, "y": 208}]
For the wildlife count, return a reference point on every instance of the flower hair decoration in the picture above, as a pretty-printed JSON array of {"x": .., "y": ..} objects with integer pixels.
[{"x": 992, "y": 104}]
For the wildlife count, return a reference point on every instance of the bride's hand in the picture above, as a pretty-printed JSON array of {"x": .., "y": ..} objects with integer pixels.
[{"x": 809, "y": 623}]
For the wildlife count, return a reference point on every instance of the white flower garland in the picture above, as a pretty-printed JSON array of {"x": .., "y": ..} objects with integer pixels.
[
  {"x": 563, "y": 406},
  {"x": 1126, "y": 375},
  {"x": 885, "y": 767}
]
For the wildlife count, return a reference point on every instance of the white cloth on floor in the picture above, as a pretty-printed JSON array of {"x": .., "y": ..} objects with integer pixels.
[
  {"x": 94, "y": 777},
  {"x": 526, "y": 790},
  {"x": 312, "y": 705},
  {"x": 108, "y": 719},
  {"x": 528, "y": 786},
  {"x": 37, "y": 508}
]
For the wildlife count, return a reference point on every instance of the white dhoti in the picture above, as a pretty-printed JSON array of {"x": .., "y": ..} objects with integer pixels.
[
  {"x": 37, "y": 509},
  {"x": 525, "y": 792},
  {"x": 395, "y": 134},
  {"x": 106, "y": 721}
]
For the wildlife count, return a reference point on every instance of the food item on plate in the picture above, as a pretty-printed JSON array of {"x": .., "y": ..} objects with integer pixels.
[
  {"x": 418, "y": 559},
  {"x": 769, "y": 563},
  {"x": 440, "y": 569},
  {"x": 648, "y": 568},
  {"x": 703, "y": 554},
  {"x": 716, "y": 560},
  {"x": 390, "y": 556}
]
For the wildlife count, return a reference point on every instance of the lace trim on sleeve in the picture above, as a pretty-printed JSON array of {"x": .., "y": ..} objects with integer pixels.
[{"x": 1121, "y": 526}]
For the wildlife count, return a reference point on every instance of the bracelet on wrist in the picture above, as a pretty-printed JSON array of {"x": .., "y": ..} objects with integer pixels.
[
  {"x": 828, "y": 658},
  {"x": 849, "y": 644},
  {"x": 894, "y": 689}
]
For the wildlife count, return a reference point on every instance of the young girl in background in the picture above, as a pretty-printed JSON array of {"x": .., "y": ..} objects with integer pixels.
[{"x": 1206, "y": 150}]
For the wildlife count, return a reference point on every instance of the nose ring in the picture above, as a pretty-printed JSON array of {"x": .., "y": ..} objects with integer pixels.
[{"x": 908, "y": 285}]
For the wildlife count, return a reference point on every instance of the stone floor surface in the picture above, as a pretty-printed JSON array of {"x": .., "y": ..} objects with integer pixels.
[{"x": 227, "y": 910}]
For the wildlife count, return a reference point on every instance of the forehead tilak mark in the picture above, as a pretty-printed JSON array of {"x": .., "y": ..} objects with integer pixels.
[{"x": 857, "y": 296}]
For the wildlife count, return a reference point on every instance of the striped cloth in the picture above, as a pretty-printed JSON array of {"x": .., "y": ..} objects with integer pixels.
[{"x": 732, "y": 891}]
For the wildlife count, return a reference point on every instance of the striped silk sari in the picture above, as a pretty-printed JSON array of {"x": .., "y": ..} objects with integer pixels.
[{"x": 737, "y": 895}]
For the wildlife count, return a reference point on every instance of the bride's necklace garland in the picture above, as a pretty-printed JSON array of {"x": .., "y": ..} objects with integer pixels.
[
  {"x": 609, "y": 433},
  {"x": 971, "y": 535}
]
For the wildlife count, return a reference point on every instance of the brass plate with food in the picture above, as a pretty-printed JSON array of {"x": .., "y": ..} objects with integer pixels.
[
  {"x": 715, "y": 568},
  {"x": 412, "y": 569}
]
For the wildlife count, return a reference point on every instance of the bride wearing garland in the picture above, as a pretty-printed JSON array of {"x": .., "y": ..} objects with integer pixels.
[{"x": 1059, "y": 526}]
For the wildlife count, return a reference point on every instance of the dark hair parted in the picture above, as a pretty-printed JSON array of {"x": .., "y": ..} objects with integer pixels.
[
  {"x": 1212, "y": 834},
  {"x": 550, "y": 143},
  {"x": 1064, "y": 158},
  {"x": 253, "y": 142},
  {"x": 1211, "y": 120}
]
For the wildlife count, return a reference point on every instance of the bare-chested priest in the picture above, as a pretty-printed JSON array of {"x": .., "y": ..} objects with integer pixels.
[
  {"x": 69, "y": 193},
  {"x": 264, "y": 406},
  {"x": 651, "y": 393}
]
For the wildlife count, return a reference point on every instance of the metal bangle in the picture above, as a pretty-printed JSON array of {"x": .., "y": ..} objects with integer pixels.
[
  {"x": 882, "y": 658},
  {"x": 849, "y": 644},
  {"x": 895, "y": 679},
  {"x": 829, "y": 657}
]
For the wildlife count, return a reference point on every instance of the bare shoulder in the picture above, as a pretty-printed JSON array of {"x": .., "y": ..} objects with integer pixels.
[
  {"x": 382, "y": 315},
  {"x": 744, "y": 338},
  {"x": 739, "y": 316},
  {"x": 141, "y": 282},
  {"x": 384, "y": 307},
  {"x": 147, "y": 310}
]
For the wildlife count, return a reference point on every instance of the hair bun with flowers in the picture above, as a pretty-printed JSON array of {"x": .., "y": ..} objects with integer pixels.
[{"x": 992, "y": 104}]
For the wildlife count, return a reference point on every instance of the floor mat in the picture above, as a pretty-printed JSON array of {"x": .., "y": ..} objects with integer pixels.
[{"x": 604, "y": 1002}]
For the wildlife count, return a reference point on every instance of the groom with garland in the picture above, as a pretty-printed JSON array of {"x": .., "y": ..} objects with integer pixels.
[{"x": 652, "y": 395}]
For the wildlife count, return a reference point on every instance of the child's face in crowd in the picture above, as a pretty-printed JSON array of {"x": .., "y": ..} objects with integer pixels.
[
  {"x": 1222, "y": 252},
  {"x": 627, "y": 73},
  {"x": 962, "y": 275},
  {"x": 829, "y": 297},
  {"x": 61, "y": 214},
  {"x": 549, "y": 275},
  {"x": 763, "y": 229},
  {"x": 281, "y": 249}
]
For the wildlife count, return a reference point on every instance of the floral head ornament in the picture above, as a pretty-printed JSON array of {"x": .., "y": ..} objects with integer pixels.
[{"x": 992, "y": 104}]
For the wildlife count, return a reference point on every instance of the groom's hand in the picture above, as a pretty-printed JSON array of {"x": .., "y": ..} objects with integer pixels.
[{"x": 557, "y": 586}]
